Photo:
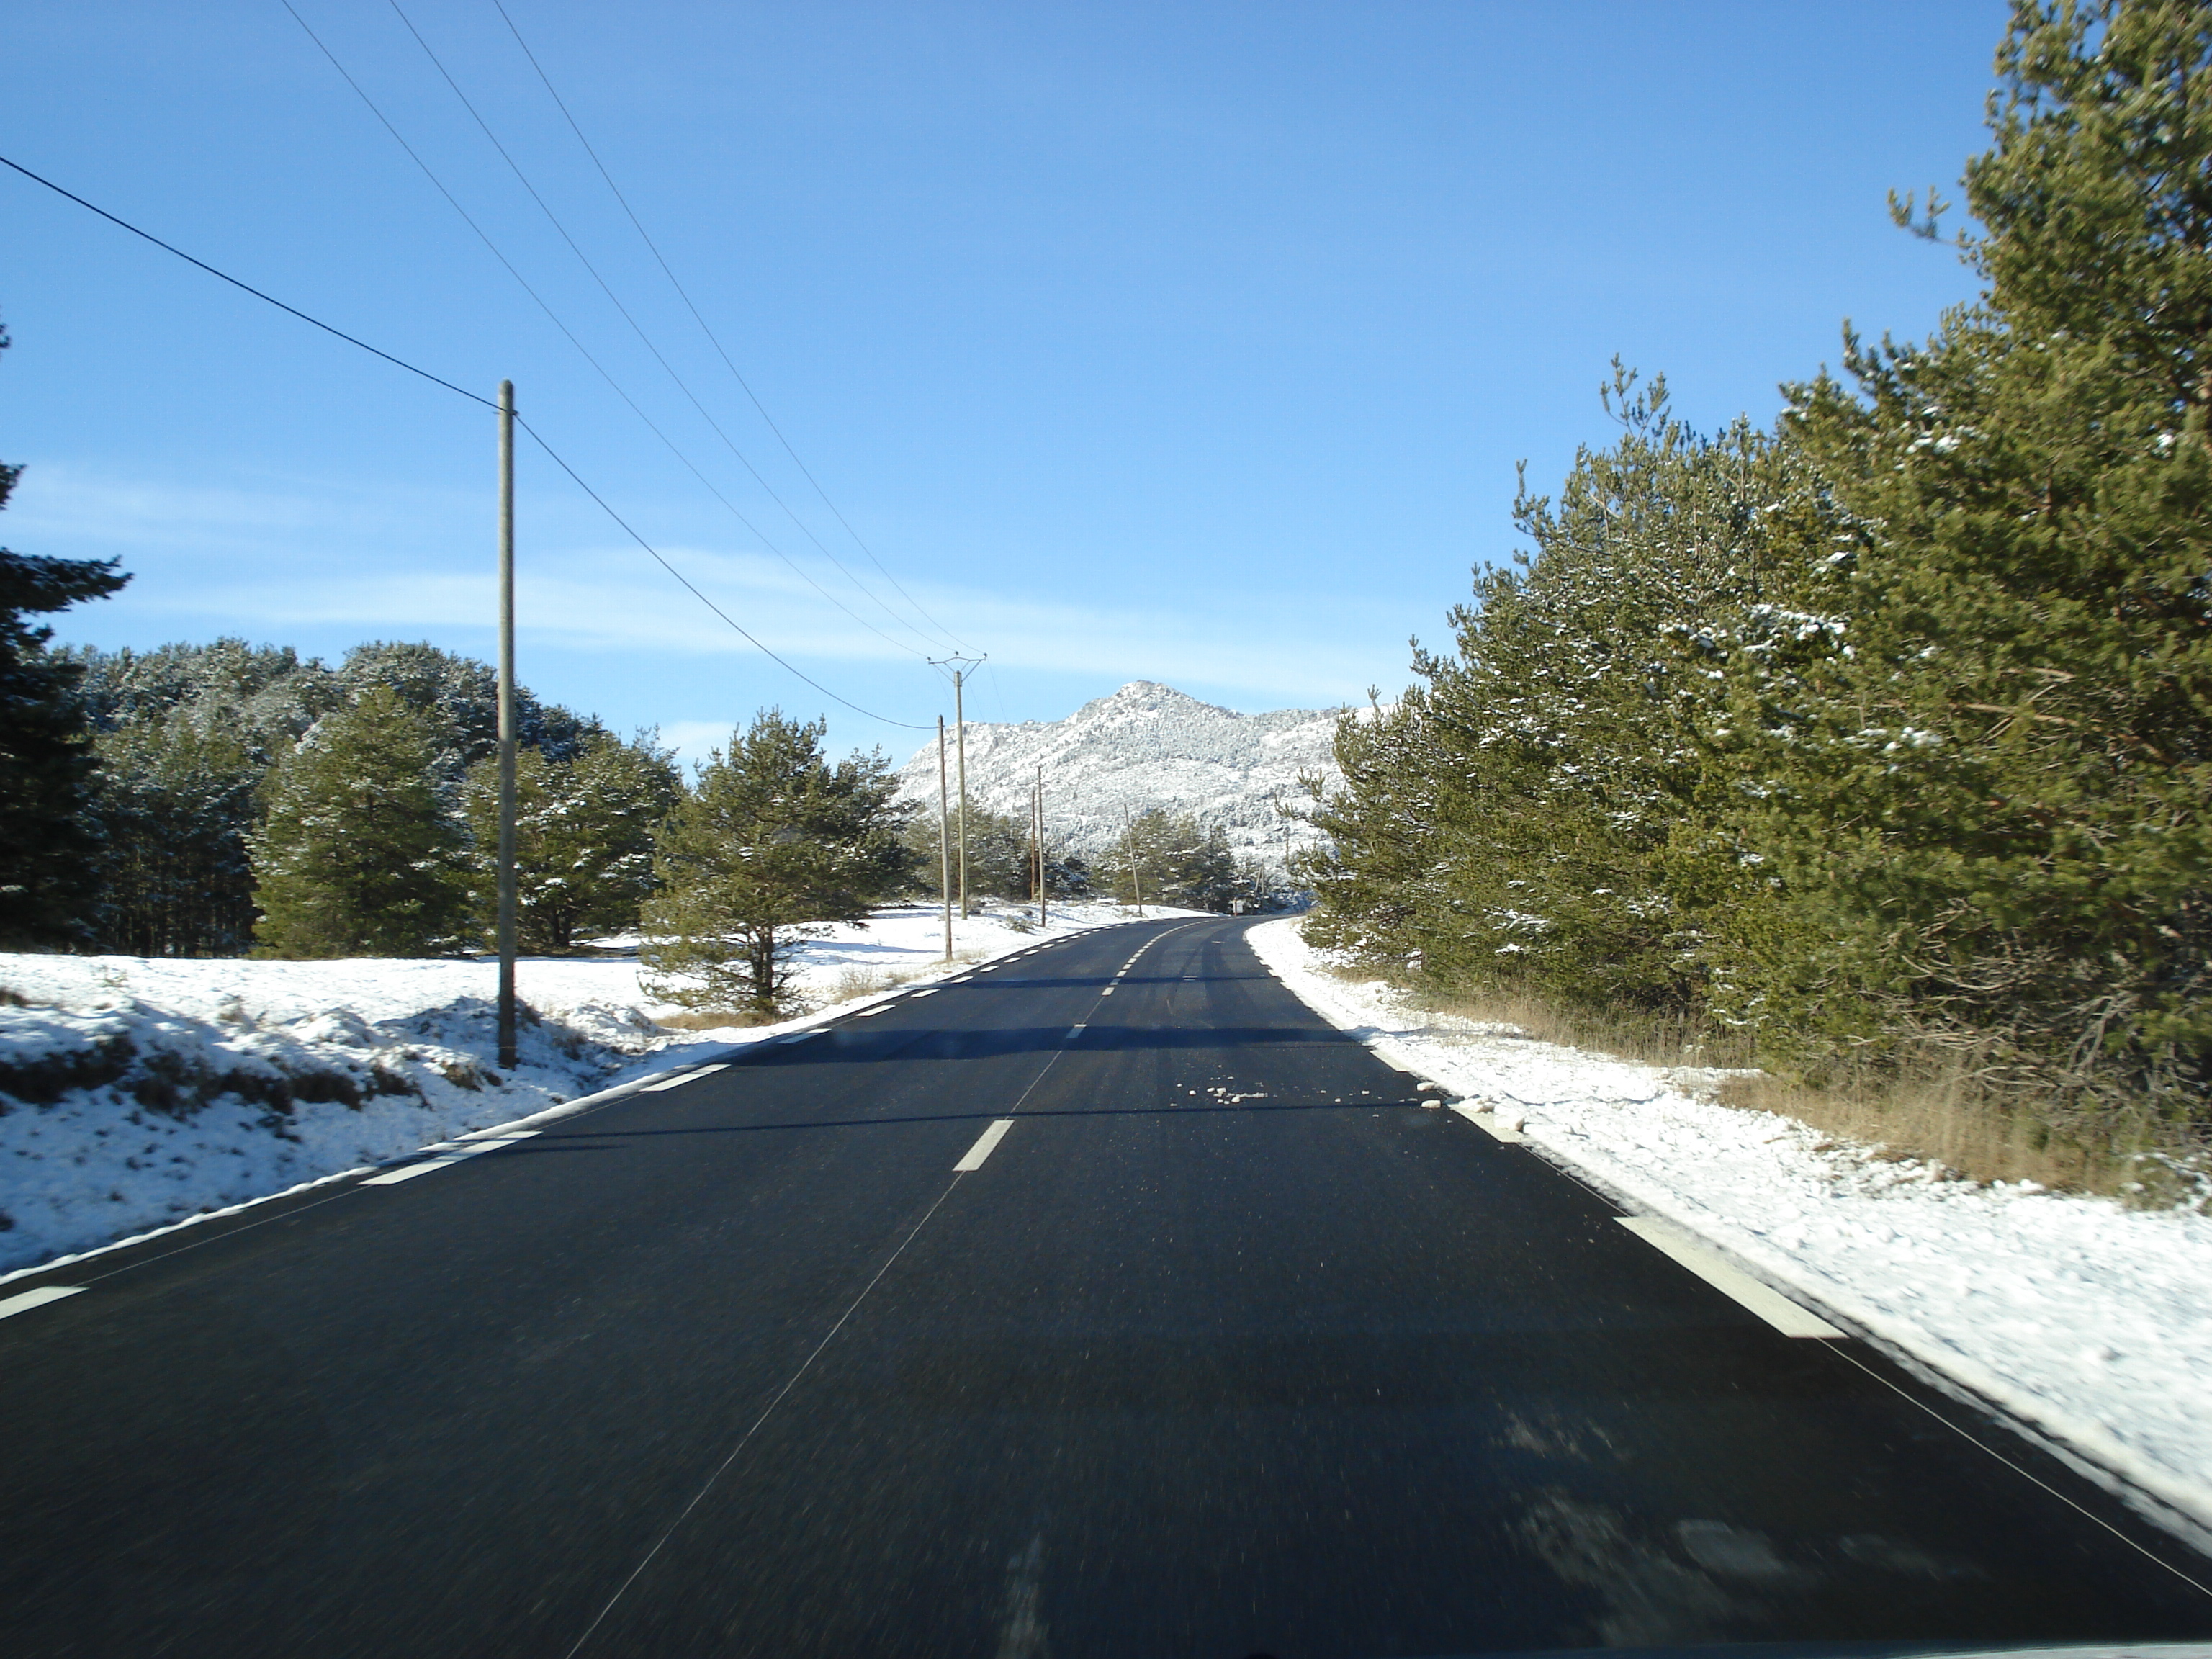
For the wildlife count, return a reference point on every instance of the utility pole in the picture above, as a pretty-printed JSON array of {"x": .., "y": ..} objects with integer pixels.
[
  {"x": 1136, "y": 868},
  {"x": 944, "y": 841},
  {"x": 960, "y": 666},
  {"x": 505, "y": 925},
  {"x": 1037, "y": 817},
  {"x": 960, "y": 726}
]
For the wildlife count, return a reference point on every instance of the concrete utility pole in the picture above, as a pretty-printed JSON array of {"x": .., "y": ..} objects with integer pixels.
[
  {"x": 960, "y": 665},
  {"x": 506, "y": 725},
  {"x": 944, "y": 840}
]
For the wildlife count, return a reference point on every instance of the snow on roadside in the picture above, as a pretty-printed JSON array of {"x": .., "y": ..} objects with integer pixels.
[
  {"x": 137, "y": 1092},
  {"x": 2088, "y": 1323}
]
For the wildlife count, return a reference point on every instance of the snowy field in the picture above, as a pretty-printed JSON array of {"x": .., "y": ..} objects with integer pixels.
[
  {"x": 137, "y": 1093},
  {"x": 2090, "y": 1323}
]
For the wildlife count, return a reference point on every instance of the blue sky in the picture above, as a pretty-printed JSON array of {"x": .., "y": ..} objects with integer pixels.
[{"x": 1194, "y": 342}]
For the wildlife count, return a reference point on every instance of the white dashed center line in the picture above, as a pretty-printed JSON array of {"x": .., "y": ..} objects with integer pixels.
[{"x": 981, "y": 1149}]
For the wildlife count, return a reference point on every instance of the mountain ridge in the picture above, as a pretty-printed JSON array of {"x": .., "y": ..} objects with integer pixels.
[{"x": 1143, "y": 746}]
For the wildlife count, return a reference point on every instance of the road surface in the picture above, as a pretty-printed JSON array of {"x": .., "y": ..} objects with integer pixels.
[{"x": 1103, "y": 1302}]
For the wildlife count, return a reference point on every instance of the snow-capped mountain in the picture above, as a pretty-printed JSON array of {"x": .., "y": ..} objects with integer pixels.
[{"x": 1146, "y": 746}]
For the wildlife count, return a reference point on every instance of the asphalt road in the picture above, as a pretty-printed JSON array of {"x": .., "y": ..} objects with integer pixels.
[{"x": 1228, "y": 1346}]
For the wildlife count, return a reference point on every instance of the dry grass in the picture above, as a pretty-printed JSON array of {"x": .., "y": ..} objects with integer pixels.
[
  {"x": 1932, "y": 1116},
  {"x": 713, "y": 1019},
  {"x": 1932, "y": 1110},
  {"x": 1648, "y": 1040}
]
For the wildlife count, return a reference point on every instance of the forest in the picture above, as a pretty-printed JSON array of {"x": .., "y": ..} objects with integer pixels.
[{"x": 1875, "y": 743}]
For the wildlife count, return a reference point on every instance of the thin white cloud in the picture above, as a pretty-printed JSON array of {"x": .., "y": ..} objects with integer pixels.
[{"x": 304, "y": 555}]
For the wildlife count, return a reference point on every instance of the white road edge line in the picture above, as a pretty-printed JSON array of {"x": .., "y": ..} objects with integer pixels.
[
  {"x": 981, "y": 1149},
  {"x": 447, "y": 1154},
  {"x": 25, "y": 1301},
  {"x": 1489, "y": 1125},
  {"x": 1770, "y": 1305}
]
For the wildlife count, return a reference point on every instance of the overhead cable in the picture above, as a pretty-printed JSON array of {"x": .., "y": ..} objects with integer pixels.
[
  {"x": 682, "y": 385},
  {"x": 714, "y": 339},
  {"x": 702, "y": 598},
  {"x": 567, "y": 333},
  {"x": 401, "y": 362},
  {"x": 248, "y": 287}
]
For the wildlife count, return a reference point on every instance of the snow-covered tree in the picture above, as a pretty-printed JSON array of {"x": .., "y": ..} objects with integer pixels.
[
  {"x": 47, "y": 847},
  {"x": 584, "y": 827}
]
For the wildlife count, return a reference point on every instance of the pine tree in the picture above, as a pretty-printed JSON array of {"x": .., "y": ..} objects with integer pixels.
[
  {"x": 187, "y": 734},
  {"x": 584, "y": 829},
  {"x": 460, "y": 695},
  {"x": 1994, "y": 804},
  {"x": 177, "y": 802},
  {"x": 772, "y": 842},
  {"x": 48, "y": 848},
  {"x": 999, "y": 864},
  {"x": 1547, "y": 811},
  {"x": 360, "y": 854},
  {"x": 1165, "y": 858}
]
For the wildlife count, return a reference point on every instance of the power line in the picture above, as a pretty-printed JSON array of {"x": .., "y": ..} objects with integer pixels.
[
  {"x": 695, "y": 593},
  {"x": 401, "y": 362},
  {"x": 638, "y": 329},
  {"x": 248, "y": 287},
  {"x": 713, "y": 339},
  {"x": 570, "y": 336}
]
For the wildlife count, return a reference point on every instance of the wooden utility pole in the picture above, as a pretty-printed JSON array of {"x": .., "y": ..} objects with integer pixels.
[
  {"x": 506, "y": 924},
  {"x": 960, "y": 665},
  {"x": 944, "y": 840},
  {"x": 1129, "y": 851}
]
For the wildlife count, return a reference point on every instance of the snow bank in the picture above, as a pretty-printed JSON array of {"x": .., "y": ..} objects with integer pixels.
[
  {"x": 137, "y": 1092},
  {"x": 2086, "y": 1322}
]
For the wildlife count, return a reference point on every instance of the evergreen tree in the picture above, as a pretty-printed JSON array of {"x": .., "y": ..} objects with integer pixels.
[
  {"x": 1993, "y": 805},
  {"x": 773, "y": 841},
  {"x": 188, "y": 732},
  {"x": 1546, "y": 811},
  {"x": 584, "y": 825},
  {"x": 999, "y": 864},
  {"x": 47, "y": 847},
  {"x": 359, "y": 854},
  {"x": 460, "y": 695},
  {"x": 176, "y": 804},
  {"x": 1163, "y": 858},
  {"x": 266, "y": 696}
]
